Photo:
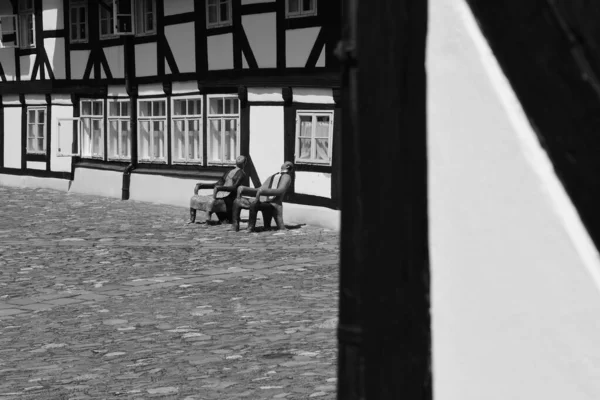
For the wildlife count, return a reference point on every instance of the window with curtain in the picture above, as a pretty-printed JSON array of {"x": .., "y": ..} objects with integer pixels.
[
  {"x": 152, "y": 133},
  {"x": 218, "y": 13},
  {"x": 36, "y": 130},
  {"x": 314, "y": 133},
  {"x": 223, "y": 129},
  {"x": 119, "y": 129},
  {"x": 92, "y": 128},
  {"x": 186, "y": 119}
]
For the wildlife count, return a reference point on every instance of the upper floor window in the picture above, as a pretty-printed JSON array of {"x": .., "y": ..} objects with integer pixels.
[
  {"x": 218, "y": 13},
  {"x": 187, "y": 129},
  {"x": 314, "y": 133},
  {"x": 107, "y": 22},
  {"x": 9, "y": 31},
  {"x": 78, "y": 14},
  {"x": 36, "y": 130},
  {"x": 152, "y": 131},
  {"x": 92, "y": 128},
  {"x": 131, "y": 17},
  {"x": 26, "y": 24},
  {"x": 223, "y": 129},
  {"x": 300, "y": 8}
]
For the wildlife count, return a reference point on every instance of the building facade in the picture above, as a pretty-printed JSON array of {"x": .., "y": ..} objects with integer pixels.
[{"x": 171, "y": 91}]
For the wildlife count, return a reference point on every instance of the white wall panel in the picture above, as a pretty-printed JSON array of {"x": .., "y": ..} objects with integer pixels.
[
  {"x": 79, "y": 59},
  {"x": 266, "y": 139},
  {"x": 298, "y": 45},
  {"x": 264, "y": 94},
  {"x": 41, "y": 166},
  {"x": 145, "y": 59},
  {"x": 55, "y": 48},
  {"x": 220, "y": 51},
  {"x": 314, "y": 183},
  {"x": 52, "y": 15},
  {"x": 59, "y": 163},
  {"x": 181, "y": 40},
  {"x": 12, "y": 137},
  {"x": 178, "y": 6},
  {"x": 261, "y": 31},
  {"x": 27, "y": 66},
  {"x": 116, "y": 61},
  {"x": 313, "y": 95},
  {"x": 7, "y": 59}
]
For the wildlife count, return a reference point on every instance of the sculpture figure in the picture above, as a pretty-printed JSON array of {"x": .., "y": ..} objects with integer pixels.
[
  {"x": 268, "y": 199},
  {"x": 224, "y": 193}
]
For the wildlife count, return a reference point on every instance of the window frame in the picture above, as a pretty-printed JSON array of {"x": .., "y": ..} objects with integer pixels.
[
  {"x": 36, "y": 123},
  {"x": 110, "y": 20},
  {"x": 219, "y": 23},
  {"x": 165, "y": 119},
  {"x": 15, "y": 31},
  {"x": 78, "y": 4},
  {"x": 313, "y": 160},
  {"x": 222, "y": 117},
  {"x": 140, "y": 13},
  {"x": 300, "y": 13},
  {"x": 92, "y": 117},
  {"x": 116, "y": 16},
  {"x": 186, "y": 118},
  {"x": 24, "y": 12},
  {"x": 120, "y": 118}
]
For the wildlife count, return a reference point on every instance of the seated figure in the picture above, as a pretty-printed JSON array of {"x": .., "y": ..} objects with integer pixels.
[
  {"x": 268, "y": 199},
  {"x": 224, "y": 192}
]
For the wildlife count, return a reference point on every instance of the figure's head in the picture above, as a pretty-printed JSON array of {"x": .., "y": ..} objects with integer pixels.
[
  {"x": 287, "y": 167},
  {"x": 240, "y": 161}
]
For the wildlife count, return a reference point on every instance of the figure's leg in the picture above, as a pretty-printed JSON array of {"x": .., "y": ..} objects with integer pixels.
[
  {"x": 278, "y": 211},
  {"x": 253, "y": 210},
  {"x": 267, "y": 213},
  {"x": 192, "y": 215},
  {"x": 235, "y": 215}
]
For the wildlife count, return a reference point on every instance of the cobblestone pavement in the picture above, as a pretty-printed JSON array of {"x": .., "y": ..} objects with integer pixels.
[{"x": 109, "y": 299}]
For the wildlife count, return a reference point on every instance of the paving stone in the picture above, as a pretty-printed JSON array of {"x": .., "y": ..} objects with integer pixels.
[{"x": 212, "y": 314}]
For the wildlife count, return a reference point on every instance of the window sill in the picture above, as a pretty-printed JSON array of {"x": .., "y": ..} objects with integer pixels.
[{"x": 305, "y": 167}]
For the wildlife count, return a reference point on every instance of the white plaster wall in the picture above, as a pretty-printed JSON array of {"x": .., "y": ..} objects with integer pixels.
[
  {"x": 178, "y": 6},
  {"x": 34, "y": 182},
  {"x": 27, "y": 66},
  {"x": 298, "y": 45},
  {"x": 35, "y": 99},
  {"x": 116, "y": 61},
  {"x": 515, "y": 295},
  {"x": 55, "y": 48},
  {"x": 162, "y": 189},
  {"x": 181, "y": 40},
  {"x": 12, "y": 137},
  {"x": 97, "y": 182},
  {"x": 266, "y": 139},
  {"x": 79, "y": 59},
  {"x": 145, "y": 59},
  {"x": 59, "y": 163},
  {"x": 311, "y": 215},
  {"x": 52, "y": 15},
  {"x": 264, "y": 94},
  {"x": 315, "y": 183},
  {"x": 261, "y": 31},
  {"x": 220, "y": 51},
  {"x": 313, "y": 95},
  {"x": 7, "y": 59},
  {"x": 36, "y": 165}
]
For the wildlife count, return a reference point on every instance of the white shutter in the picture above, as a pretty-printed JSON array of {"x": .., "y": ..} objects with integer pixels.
[{"x": 68, "y": 133}]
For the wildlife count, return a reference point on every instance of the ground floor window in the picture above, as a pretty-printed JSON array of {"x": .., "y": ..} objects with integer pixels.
[
  {"x": 223, "y": 129},
  {"x": 92, "y": 128},
  {"x": 187, "y": 129},
  {"x": 36, "y": 130},
  {"x": 119, "y": 129},
  {"x": 152, "y": 133},
  {"x": 314, "y": 133}
]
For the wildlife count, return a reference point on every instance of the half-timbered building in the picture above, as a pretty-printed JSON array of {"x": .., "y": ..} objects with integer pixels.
[{"x": 147, "y": 97}]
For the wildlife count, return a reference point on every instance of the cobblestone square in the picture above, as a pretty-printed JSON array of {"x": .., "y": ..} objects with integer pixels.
[{"x": 104, "y": 299}]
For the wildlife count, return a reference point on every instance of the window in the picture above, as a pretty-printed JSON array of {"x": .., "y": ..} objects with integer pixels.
[
  {"x": 300, "y": 8},
  {"x": 36, "y": 130},
  {"x": 119, "y": 129},
  {"x": 123, "y": 12},
  {"x": 187, "y": 129},
  {"x": 146, "y": 17},
  {"x": 314, "y": 131},
  {"x": 107, "y": 22},
  {"x": 223, "y": 129},
  {"x": 78, "y": 20},
  {"x": 26, "y": 24},
  {"x": 218, "y": 13},
  {"x": 9, "y": 29},
  {"x": 92, "y": 128},
  {"x": 152, "y": 135}
]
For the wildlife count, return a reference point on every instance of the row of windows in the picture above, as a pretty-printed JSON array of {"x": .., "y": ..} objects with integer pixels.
[
  {"x": 121, "y": 17},
  {"x": 314, "y": 130}
]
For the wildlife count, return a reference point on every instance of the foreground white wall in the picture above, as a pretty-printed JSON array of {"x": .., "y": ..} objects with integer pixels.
[{"x": 515, "y": 301}]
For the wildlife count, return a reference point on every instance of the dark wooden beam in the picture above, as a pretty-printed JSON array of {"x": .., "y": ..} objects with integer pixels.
[{"x": 384, "y": 330}]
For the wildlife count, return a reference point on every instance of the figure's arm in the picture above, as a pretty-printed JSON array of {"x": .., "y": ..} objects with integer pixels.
[
  {"x": 284, "y": 184},
  {"x": 246, "y": 190},
  {"x": 203, "y": 186},
  {"x": 237, "y": 180}
]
